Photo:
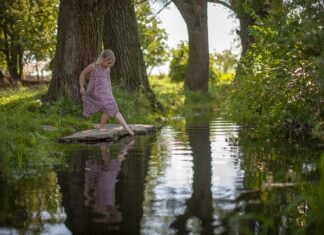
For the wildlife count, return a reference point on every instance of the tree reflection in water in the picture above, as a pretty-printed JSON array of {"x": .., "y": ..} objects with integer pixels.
[{"x": 199, "y": 205}]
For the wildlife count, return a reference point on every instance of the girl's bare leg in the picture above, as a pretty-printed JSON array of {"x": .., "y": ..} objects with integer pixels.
[
  {"x": 103, "y": 120},
  {"x": 122, "y": 122}
]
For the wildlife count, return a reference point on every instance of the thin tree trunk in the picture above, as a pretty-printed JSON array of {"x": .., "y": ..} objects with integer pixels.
[
  {"x": 12, "y": 55},
  {"x": 121, "y": 36},
  {"x": 37, "y": 71},
  {"x": 194, "y": 13},
  {"x": 79, "y": 40}
]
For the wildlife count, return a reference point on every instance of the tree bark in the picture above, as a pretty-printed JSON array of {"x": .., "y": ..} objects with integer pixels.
[
  {"x": 79, "y": 40},
  {"x": 120, "y": 34},
  {"x": 194, "y": 12}
]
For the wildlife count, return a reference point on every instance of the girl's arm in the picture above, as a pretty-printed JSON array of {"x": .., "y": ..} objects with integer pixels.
[{"x": 83, "y": 74}]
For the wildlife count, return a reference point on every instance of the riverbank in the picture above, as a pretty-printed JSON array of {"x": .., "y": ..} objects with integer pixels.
[{"x": 29, "y": 129}]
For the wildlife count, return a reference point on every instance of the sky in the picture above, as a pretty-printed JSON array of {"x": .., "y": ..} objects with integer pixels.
[{"x": 221, "y": 26}]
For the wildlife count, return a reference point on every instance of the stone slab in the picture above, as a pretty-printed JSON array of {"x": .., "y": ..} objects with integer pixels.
[{"x": 112, "y": 132}]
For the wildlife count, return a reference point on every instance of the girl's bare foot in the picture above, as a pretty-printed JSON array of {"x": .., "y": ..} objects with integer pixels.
[
  {"x": 130, "y": 131},
  {"x": 102, "y": 128}
]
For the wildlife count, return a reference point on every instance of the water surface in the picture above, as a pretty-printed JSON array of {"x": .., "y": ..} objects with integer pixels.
[{"x": 194, "y": 176}]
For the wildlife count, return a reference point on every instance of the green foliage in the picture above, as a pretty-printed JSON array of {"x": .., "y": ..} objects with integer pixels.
[
  {"x": 152, "y": 37},
  {"x": 28, "y": 27},
  {"x": 30, "y": 129},
  {"x": 221, "y": 65},
  {"x": 179, "y": 102},
  {"x": 26, "y": 147},
  {"x": 179, "y": 61},
  {"x": 280, "y": 87}
]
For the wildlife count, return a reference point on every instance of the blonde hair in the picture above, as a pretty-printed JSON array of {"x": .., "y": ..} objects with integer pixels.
[{"x": 106, "y": 54}]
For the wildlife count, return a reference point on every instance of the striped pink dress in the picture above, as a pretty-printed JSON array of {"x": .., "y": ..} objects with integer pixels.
[{"x": 99, "y": 96}]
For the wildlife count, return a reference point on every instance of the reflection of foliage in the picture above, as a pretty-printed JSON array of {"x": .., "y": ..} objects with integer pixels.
[
  {"x": 281, "y": 86},
  {"x": 314, "y": 194},
  {"x": 278, "y": 181},
  {"x": 31, "y": 204}
]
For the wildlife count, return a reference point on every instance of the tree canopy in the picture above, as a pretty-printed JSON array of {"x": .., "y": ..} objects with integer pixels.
[{"x": 152, "y": 36}]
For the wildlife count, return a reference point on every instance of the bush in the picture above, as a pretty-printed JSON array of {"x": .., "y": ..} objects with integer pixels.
[
  {"x": 280, "y": 87},
  {"x": 221, "y": 65}
]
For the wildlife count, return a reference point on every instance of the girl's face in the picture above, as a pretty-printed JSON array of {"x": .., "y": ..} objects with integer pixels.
[{"x": 106, "y": 62}]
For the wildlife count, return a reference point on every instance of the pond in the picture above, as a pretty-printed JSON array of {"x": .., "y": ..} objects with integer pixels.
[{"x": 194, "y": 176}]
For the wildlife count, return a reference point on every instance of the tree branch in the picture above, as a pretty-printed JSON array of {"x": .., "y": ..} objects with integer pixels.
[
  {"x": 140, "y": 2},
  {"x": 159, "y": 11},
  {"x": 225, "y": 4}
]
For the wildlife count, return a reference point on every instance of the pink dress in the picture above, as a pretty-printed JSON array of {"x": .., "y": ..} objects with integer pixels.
[{"x": 99, "y": 96}]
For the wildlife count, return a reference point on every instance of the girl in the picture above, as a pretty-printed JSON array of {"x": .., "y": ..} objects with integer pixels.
[{"x": 99, "y": 96}]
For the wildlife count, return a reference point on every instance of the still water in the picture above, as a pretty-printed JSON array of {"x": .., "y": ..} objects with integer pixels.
[{"x": 194, "y": 176}]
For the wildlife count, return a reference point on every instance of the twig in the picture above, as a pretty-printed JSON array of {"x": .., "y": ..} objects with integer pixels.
[
  {"x": 159, "y": 11},
  {"x": 225, "y": 4}
]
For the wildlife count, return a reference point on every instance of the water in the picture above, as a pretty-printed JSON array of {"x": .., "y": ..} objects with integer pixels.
[{"x": 195, "y": 176}]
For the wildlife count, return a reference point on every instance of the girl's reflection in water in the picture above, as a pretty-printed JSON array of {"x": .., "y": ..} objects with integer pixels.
[{"x": 100, "y": 180}]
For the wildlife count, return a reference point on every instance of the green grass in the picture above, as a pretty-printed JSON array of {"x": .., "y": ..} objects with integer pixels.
[
  {"x": 179, "y": 102},
  {"x": 26, "y": 146}
]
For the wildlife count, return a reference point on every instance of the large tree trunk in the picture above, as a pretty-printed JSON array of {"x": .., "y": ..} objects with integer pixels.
[
  {"x": 79, "y": 40},
  {"x": 121, "y": 36},
  {"x": 194, "y": 13}
]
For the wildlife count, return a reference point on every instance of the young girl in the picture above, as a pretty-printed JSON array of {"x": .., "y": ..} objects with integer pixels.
[{"x": 99, "y": 96}]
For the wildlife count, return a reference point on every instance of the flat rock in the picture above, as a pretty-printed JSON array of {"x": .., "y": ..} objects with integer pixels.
[{"x": 112, "y": 132}]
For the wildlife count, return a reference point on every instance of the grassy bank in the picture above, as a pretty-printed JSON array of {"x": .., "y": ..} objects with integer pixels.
[{"x": 30, "y": 129}]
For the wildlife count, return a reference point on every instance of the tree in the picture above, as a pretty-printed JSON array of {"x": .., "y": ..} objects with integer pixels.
[
  {"x": 219, "y": 63},
  {"x": 226, "y": 61},
  {"x": 194, "y": 14},
  {"x": 179, "y": 62},
  {"x": 280, "y": 88},
  {"x": 247, "y": 12},
  {"x": 27, "y": 28},
  {"x": 152, "y": 36},
  {"x": 121, "y": 35},
  {"x": 79, "y": 41}
]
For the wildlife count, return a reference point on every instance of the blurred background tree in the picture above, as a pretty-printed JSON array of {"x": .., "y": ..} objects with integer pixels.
[{"x": 27, "y": 31}]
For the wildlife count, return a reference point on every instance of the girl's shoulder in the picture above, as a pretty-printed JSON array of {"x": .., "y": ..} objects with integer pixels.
[{"x": 92, "y": 66}]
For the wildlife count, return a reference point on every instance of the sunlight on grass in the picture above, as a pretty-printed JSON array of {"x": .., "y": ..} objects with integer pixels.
[{"x": 30, "y": 129}]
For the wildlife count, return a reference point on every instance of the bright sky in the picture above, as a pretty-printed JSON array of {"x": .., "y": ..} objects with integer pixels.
[{"x": 221, "y": 28}]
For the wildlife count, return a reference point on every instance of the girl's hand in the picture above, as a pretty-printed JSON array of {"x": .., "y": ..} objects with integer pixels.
[{"x": 82, "y": 90}]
